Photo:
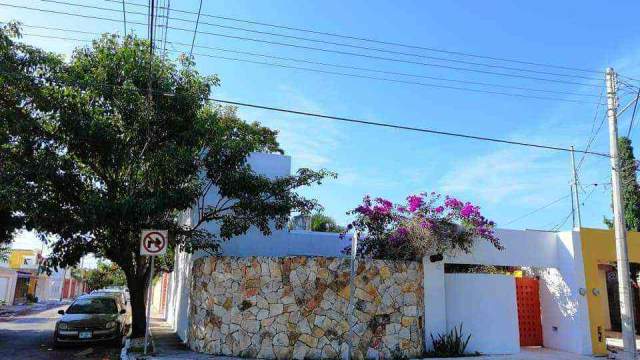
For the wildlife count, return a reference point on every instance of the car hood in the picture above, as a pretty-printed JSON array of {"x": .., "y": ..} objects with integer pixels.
[{"x": 88, "y": 320}]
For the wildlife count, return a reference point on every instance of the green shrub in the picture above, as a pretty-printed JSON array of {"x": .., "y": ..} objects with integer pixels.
[{"x": 450, "y": 344}]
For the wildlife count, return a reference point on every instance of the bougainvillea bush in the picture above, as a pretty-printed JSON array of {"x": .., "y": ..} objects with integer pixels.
[{"x": 427, "y": 224}]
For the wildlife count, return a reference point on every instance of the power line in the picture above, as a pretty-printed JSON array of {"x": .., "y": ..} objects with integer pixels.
[
  {"x": 351, "y": 37},
  {"x": 342, "y": 66},
  {"x": 633, "y": 115},
  {"x": 342, "y": 44},
  {"x": 398, "y": 81},
  {"x": 372, "y": 123},
  {"x": 402, "y": 127},
  {"x": 323, "y": 49},
  {"x": 195, "y": 30},
  {"x": 561, "y": 224},
  {"x": 357, "y": 75},
  {"x": 537, "y": 210}
]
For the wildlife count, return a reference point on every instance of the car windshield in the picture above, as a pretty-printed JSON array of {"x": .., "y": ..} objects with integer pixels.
[{"x": 93, "y": 306}]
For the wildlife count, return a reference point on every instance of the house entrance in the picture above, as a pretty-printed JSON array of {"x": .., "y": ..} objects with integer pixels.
[{"x": 529, "y": 323}]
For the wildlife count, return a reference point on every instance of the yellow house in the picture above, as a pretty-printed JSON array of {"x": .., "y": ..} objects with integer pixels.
[
  {"x": 599, "y": 257},
  {"x": 25, "y": 263},
  {"x": 23, "y": 259}
]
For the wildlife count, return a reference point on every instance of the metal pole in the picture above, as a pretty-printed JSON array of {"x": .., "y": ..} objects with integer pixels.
[
  {"x": 146, "y": 329},
  {"x": 352, "y": 286},
  {"x": 575, "y": 186},
  {"x": 624, "y": 280}
]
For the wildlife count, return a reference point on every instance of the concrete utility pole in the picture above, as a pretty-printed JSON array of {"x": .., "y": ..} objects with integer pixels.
[
  {"x": 575, "y": 187},
  {"x": 622, "y": 257}
]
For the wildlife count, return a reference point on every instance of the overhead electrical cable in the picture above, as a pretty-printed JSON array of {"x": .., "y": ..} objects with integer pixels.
[
  {"x": 195, "y": 29},
  {"x": 325, "y": 50},
  {"x": 633, "y": 115},
  {"x": 364, "y": 39},
  {"x": 370, "y": 123},
  {"x": 340, "y": 65},
  {"x": 359, "y": 75},
  {"x": 537, "y": 210}
]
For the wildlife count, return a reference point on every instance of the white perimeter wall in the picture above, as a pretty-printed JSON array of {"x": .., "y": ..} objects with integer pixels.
[
  {"x": 485, "y": 305},
  {"x": 558, "y": 259}
]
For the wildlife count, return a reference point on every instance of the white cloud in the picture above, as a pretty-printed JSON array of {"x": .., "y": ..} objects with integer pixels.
[
  {"x": 313, "y": 143},
  {"x": 513, "y": 175}
]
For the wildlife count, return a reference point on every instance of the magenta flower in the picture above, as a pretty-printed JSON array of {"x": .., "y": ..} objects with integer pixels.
[
  {"x": 414, "y": 202},
  {"x": 439, "y": 209},
  {"x": 453, "y": 203}
]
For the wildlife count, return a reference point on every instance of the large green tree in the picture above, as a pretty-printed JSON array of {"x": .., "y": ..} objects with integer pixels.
[
  {"x": 95, "y": 156},
  {"x": 630, "y": 188},
  {"x": 105, "y": 274}
]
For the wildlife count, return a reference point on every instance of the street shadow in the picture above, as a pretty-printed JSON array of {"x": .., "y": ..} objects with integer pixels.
[{"x": 38, "y": 344}]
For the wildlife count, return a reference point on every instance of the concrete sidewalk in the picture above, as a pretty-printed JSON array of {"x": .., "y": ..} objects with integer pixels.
[
  {"x": 10, "y": 312},
  {"x": 169, "y": 346}
]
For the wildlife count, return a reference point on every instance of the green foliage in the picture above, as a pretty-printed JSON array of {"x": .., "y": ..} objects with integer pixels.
[
  {"x": 91, "y": 156},
  {"x": 450, "y": 344},
  {"x": 630, "y": 188},
  {"x": 105, "y": 274},
  {"x": 5, "y": 251},
  {"x": 324, "y": 223}
]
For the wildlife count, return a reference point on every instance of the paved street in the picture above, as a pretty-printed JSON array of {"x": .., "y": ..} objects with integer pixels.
[{"x": 30, "y": 337}]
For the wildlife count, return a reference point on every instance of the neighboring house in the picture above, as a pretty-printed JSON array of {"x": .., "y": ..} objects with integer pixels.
[
  {"x": 21, "y": 279},
  {"x": 25, "y": 262}
]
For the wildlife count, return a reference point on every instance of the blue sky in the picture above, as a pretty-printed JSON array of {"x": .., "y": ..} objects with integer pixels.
[{"x": 506, "y": 181}]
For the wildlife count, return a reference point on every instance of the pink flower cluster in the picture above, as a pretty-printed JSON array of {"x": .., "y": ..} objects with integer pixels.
[{"x": 387, "y": 223}]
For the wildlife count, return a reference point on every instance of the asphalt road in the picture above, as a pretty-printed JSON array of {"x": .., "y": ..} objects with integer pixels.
[{"x": 31, "y": 337}]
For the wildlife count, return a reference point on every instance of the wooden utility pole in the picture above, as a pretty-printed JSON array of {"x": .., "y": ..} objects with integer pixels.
[{"x": 622, "y": 257}]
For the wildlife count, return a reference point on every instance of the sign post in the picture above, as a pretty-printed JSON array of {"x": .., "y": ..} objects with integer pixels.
[
  {"x": 152, "y": 243},
  {"x": 350, "y": 307}
]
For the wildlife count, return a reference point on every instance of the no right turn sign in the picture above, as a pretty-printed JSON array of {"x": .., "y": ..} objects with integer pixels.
[{"x": 153, "y": 242}]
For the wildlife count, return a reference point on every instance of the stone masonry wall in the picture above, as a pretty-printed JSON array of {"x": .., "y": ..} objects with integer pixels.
[{"x": 295, "y": 307}]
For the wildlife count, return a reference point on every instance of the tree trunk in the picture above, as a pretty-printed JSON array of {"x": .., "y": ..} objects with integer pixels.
[{"x": 137, "y": 291}]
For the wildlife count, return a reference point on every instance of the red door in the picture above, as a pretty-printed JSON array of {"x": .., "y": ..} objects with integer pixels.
[{"x": 528, "y": 298}]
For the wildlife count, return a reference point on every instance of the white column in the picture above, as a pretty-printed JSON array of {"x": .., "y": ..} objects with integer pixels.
[{"x": 435, "y": 306}]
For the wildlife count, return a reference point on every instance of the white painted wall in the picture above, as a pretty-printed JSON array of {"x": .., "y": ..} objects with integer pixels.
[
  {"x": 521, "y": 248},
  {"x": 435, "y": 305},
  {"x": 558, "y": 256},
  {"x": 486, "y": 306}
]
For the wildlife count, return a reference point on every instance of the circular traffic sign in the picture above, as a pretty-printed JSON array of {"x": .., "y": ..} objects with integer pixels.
[{"x": 154, "y": 242}]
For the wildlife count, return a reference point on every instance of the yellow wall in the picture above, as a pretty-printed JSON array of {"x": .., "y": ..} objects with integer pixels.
[
  {"x": 598, "y": 247},
  {"x": 17, "y": 255}
]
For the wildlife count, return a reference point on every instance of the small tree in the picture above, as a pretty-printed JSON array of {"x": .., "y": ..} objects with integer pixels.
[
  {"x": 425, "y": 225},
  {"x": 104, "y": 275},
  {"x": 97, "y": 157},
  {"x": 324, "y": 223},
  {"x": 630, "y": 188}
]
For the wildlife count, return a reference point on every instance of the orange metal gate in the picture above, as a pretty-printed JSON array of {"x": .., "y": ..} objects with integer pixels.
[{"x": 527, "y": 293}]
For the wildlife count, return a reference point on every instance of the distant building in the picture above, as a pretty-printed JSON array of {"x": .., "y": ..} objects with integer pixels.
[{"x": 22, "y": 281}]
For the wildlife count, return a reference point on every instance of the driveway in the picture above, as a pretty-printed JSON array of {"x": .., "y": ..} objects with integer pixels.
[{"x": 30, "y": 337}]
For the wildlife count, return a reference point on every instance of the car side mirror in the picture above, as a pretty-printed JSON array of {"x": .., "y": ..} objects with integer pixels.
[
  {"x": 61, "y": 312},
  {"x": 123, "y": 311}
]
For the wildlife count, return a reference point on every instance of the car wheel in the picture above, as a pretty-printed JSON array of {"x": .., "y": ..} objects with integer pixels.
[{"x": 56, "y": 344}]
